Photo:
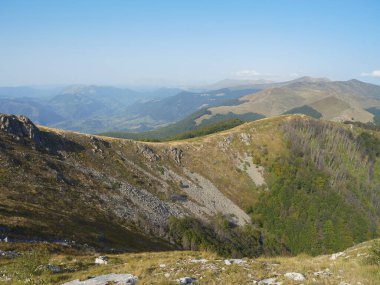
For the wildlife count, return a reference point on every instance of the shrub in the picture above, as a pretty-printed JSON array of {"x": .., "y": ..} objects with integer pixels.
[{"x": 374, "y": 253}]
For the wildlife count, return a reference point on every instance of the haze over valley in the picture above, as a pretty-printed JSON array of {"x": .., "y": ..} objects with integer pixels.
[{"x": 189, "y": 142}]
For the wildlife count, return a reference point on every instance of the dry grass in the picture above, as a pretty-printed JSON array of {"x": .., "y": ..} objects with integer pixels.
[{"x": 167, "y": 267}]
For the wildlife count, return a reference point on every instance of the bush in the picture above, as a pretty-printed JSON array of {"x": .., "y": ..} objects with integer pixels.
[
  {"x": 374, "y": 253},
  {"x": 222, "y": 237}
]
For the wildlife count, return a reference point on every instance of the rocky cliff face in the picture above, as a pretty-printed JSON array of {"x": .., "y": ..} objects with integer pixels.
[
  {"x": 21, "y": 128},
  {"x": 127, "y": 187}
]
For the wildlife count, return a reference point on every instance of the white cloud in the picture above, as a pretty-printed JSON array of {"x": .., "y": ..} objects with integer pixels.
[
  {"x": 375, "y": 73},
  {"x": 247, "y": 73}
]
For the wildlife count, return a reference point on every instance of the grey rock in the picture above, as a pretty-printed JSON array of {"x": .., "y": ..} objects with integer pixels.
[
  {"x": 186, "y": 280},
  {"x": 295, "y": 276},
  {"x": 269, "y": 281},
  {"x": 176, "y": 154},
  {"x": 9, "y": 254},
  {"x": 120, "y": 279},
  {"x": 54, "y": 268},
  {"x": 325, "y": 272},
  {"x": 147, "y": 152},
  {"x": 21, "y": 128},
  {"x": 101, "y": 260}
]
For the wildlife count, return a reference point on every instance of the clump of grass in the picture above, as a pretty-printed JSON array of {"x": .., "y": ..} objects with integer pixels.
[
  {"x": 29, "y": 264},
  {"x": 374, "y": 253}
]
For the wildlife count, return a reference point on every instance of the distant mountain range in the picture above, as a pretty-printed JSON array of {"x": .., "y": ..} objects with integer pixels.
[
  {"x": 98, "y": 109},
  {"x": 351, "y": 100}
]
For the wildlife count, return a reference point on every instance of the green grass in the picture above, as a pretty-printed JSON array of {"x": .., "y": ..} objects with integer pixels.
[
  {"x": 187, "y": 128},
  {"x": 306, "y": 110}
]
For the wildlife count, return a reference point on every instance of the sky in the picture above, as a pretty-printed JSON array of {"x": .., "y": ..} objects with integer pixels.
[{"x": 186, "y": 42}]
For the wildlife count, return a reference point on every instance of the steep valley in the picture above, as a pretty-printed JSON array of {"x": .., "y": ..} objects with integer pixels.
[{"x": 299, "y": 184}]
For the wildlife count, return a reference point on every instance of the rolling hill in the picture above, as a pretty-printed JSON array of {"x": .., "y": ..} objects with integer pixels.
[
  {"x": 332, "y": 100},
  {"x": 288, "y": 184}
]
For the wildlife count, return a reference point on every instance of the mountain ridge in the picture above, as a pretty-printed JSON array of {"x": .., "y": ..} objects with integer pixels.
[
  {"x": 147, "y": 194},
  {"x": 352, "y": 99}
]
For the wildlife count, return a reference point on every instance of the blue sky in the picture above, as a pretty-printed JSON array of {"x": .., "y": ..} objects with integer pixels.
[{"x": 137, "y": 42}]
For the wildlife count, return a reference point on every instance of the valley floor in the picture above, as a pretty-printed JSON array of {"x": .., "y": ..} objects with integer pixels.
[{"x": 54, "y": 264}]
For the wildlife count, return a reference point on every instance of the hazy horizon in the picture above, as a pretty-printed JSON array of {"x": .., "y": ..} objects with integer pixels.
[
  {"x": 193, "y": 43},
  {"x": 163, "y": 85}
]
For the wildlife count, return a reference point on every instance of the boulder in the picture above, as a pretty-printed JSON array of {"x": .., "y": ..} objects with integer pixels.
[
  {"x": 54, "y": 268},
  {"x": 295, "y": 276},
  {"x": 119, "y": 279},
  {"x": 269, "y": 281},
  {"x": 101, "y": 260},
  {"x": 234, "y": 261},
  {"x": 227, "y": 262},
  {"x": 336, "y": 255},
  {"x": 186, "y": 280}
]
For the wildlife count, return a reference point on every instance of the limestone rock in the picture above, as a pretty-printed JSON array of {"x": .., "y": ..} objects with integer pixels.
[
  {"x": 269, "y": 281},
  {"x": 336, "y": 255},
  {"x": 245, "y": 138},
  {"x": 295, "y": 276},
  {"x": 176, "y": 154},
  {"x": 21, "y": 128},
  {"x": 101, "y": 260},
  {"x": 148, "y": 152},
  {"x": 325, "y": 272},
  {"x": 125, "y": 279},
  {"x": 234, "y": 261}
]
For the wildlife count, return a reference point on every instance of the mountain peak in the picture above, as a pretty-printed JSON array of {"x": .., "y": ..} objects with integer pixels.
[{"x": 309, "y": 79}]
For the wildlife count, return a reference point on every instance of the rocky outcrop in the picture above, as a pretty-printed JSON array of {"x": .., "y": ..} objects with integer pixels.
[
  {"x": 98, "y": 144},
  {"x": 148, "y": 152},
  {"x": 176, "y": 154},
  {"x": 21, "y": 128}
]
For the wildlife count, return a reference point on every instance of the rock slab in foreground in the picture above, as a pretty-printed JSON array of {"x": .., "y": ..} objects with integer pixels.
[{"x": 125, "y": 279}]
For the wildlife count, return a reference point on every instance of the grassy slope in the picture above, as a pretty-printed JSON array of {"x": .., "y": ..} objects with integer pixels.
[
  {"x": 350, "y": 100},
  {"x": 216, "y": 157},
  {"x": 351, "y": 268},
  {"x": 188, "y": 126}
]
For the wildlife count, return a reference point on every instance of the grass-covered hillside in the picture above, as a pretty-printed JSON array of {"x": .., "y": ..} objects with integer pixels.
[
  {"x": 188, "y": 128},
  {"x": 352, "y": 100},
  {"x": 42, "y": 264},
  {"x": 284, "y": 185}
]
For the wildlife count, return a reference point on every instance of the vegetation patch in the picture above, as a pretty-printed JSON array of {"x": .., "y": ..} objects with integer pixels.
[
  {"x": 317, "y": 192},
  {"x": 222, "y": 237},
  {"x": 306, "y": 110}
]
